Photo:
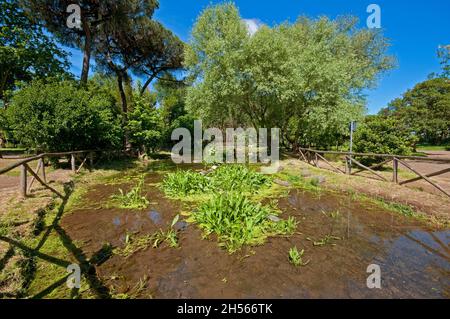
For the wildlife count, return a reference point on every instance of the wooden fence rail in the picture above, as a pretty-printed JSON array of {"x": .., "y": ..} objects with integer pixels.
[
  {"x": 25, "y": 168},
  {"x": 313, "y": 157}
]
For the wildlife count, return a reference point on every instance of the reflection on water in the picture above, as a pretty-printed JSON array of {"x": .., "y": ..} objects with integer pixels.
[
  {"x": 155, "y": 217},
  {"x": 412, "y": 256}
]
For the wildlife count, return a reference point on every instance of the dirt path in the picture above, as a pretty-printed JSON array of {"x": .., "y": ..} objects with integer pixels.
[
  {"x": 10, "y": 180},
  {"x": 427, "y": 167},
  {"x": 422, "y": 166}
]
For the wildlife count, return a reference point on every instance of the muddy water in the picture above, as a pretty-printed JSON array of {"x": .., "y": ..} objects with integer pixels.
[{"x": 414, "y": 260}]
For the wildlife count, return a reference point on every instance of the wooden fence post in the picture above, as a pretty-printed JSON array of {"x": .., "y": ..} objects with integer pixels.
[
  {"x": 395, "y": 170},
  {"x": 91, "y": 160},
  {"x": 42, "y": 163},
  {"x": 348, "y": 165},
  {"x": 23, "y": 181},
  {"x": 72, "y": 163}
]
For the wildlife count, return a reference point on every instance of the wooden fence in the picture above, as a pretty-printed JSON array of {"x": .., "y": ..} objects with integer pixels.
[
  {"x": 82, "y": 156},
  {"x": 313, "y": 157}
]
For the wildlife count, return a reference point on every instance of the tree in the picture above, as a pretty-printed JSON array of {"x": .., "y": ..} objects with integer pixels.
[
  {"x": 145, "y": 124},
  {"x": 383, "y": 135},
  {"x": 140, "y": 45},
  {"x": 94, "y": 15},
  {"x": 425, "y": 110},
  {"x": 444, "y": 56},
  {"x": 61, "y": 116},
  {"x": 26, "y": 51},
  {"x": 306, "y": 78},
  {"x": 171, "y": 96}
]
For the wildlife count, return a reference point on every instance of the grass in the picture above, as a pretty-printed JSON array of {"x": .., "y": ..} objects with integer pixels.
[
  {"x": 237, "y": 221},
  {"x": 296, "y": 258},
  {"x": 308, "y": 184},
  {"x": 327, "y": 240},
  {"x": 28, "y": 273},
  {"x": 133, "y": 199},
  {"x": 136, "y": 292},
  {"x": 433, "y": 147},
  {"x": 155, "y": 240}
]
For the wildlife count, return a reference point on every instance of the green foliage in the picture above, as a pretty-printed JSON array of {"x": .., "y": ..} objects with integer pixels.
[
  {"x": 26, "y": 51},
  {"x": 133, "y": 199},
  {"x": 425, "y": 110},
  {"x": 226, "y": 178},
  {"x": 60, "y": 116},
  {"x": 171, "y": 95},
  {"x": 184, "y": 183},
  {"x": 305, "y": 78},
  {"x": 295, "y": 257},
  {"x": 144, "y": 124},
  {"x": 383, "y": 135},
  {"x": 238, "y": 178},
  {"x": 236, "y": 221}
]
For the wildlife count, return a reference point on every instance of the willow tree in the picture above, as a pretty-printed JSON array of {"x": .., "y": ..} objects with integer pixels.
[{"x": 306, "y": 78}]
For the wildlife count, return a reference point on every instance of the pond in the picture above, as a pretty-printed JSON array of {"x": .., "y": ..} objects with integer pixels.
[{"x": 340, "y": 236}]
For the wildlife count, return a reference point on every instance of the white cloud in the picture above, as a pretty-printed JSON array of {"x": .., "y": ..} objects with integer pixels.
[{"x": 252, "y": 25}]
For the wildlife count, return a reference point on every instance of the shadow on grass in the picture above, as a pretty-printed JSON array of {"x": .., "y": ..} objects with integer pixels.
[{"x": 87, "y": 266}]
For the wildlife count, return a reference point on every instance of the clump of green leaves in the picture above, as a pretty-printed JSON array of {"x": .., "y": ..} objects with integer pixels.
[
  {"x": 134, "y": 199},
  {"x": 296, "y": 257},
  {"x": 236, "y": 221},
  {"x": 226, "y": 178},
  {"x": 170, "y": 236},
  {"x": 238, "y": 178},
  {"x": 183, "y": 183}
]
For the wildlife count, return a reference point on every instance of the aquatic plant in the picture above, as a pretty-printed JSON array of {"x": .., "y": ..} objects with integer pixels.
[
  {"x": 226, "y": 178},
  {"x": 133, "y": 199},
  {"x": 296, "y": 258},
  {"x": 328, "y": 239},
  {"x": 183, "y": 183},
  {"x": 238, "y": 178},
  {"x": 237, "y": 221},
  {"x": 134, "y": 244}
]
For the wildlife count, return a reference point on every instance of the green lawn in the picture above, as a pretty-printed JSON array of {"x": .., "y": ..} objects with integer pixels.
[
  {"x": 9, "y": 149},
  {"x": 433, "y": 148}
]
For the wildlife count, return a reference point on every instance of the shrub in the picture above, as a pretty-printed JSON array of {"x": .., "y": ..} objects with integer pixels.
[
  {"x": 383, "y": 135},
  {"x": 60, "y": 116}
]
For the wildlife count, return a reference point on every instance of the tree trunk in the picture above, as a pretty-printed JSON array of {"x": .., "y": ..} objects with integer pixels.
[
  {"x": 123, "y": 97},
  {"x": 146, "y": 84},
  {"x": 86, "y": 54}
]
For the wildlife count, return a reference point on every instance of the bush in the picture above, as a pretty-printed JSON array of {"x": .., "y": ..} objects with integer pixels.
[
  {"x": 383, "y": 135},
  {"x": 60, "y": 116}
]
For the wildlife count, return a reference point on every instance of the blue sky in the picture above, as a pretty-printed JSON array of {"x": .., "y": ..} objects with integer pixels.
[{"x": 415, "y": 29}]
